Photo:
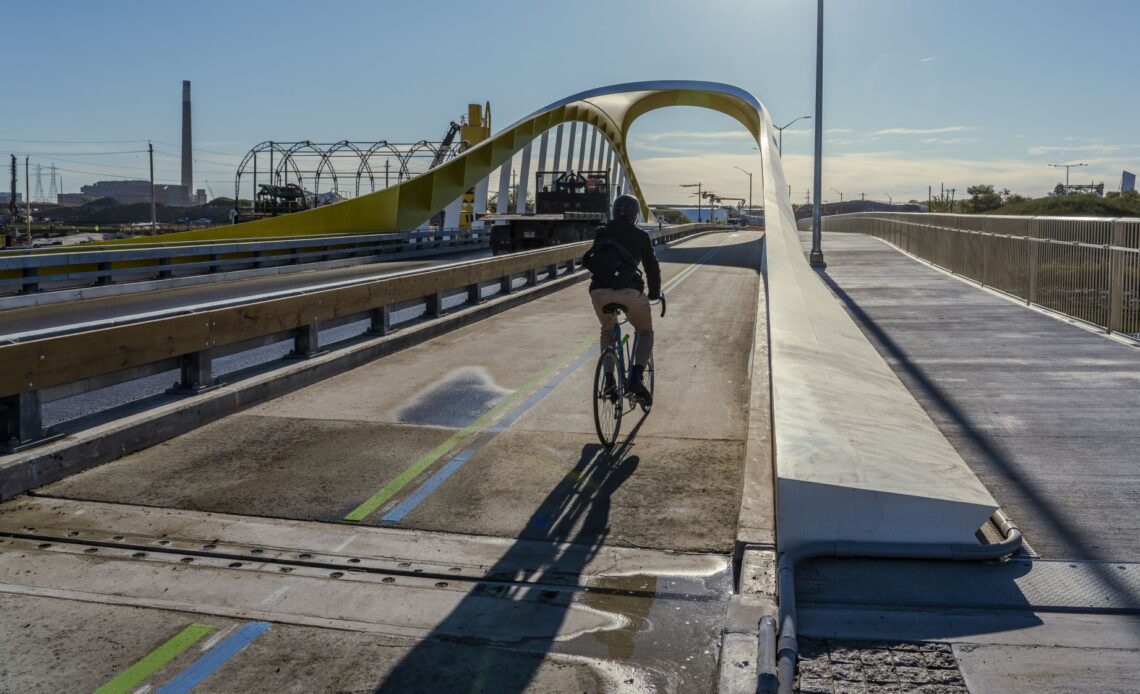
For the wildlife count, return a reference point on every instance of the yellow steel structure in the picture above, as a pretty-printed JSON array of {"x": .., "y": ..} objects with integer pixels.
[{"x": 405, "y": 206}]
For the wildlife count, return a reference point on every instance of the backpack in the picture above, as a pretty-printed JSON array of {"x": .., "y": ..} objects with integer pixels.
[{"x": 612, "y": 265}]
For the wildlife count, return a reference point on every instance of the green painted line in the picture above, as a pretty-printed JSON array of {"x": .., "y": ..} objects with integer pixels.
[
  {"x": 135, "y": 674},
  {"x": 405, "y": 478},
  {"x": 392, "y": 488}
]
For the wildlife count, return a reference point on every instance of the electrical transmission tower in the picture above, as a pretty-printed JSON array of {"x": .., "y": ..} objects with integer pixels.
[
  {"x": 55, "y": 190},
  {"x": 39, "y": 196}
]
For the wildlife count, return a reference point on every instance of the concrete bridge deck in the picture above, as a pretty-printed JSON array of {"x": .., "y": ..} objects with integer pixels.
[
  {"x": 442, "y": 519},
  {"x": 454, "y": 490}
]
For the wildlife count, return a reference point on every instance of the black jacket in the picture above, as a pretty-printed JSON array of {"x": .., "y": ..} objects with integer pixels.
[{"x": 637, "y": 242}]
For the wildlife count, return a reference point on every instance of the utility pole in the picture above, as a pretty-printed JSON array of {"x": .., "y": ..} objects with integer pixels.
[
  {"x": 749, "y": 186},
  {"x": 27, "y": 202},
  {"x": 698, "y": 187},
  {"x": 150, "y": 151}
]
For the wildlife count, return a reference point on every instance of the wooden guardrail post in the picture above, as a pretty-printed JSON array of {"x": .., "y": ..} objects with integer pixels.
[
  {"x": 196, "y": 373},
  {"x": 104, "y": 278},
  {"x": 434, "y": 305},
  {"x": 381, "y": 321},
  {"x": 306, "y": 342},
  {"x": 21, "y": 415},
  {"x": 1116, "y": 279},
  {"x": 31, "y": 276}
]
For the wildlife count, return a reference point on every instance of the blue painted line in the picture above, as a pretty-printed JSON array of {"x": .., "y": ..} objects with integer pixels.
[
  {"x": 397, "y": 513},
  {"x": 425, "y": 490},
  {"x": 214, "y": 658}
]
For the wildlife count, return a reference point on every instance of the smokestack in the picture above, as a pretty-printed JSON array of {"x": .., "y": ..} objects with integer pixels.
[{"x": 187, "y": 152}]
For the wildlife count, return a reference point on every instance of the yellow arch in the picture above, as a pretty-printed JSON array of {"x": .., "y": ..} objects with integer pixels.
[{"x": 405, "y": 206}]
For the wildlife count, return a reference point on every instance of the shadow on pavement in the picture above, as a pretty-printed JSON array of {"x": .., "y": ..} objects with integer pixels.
[
  {"x": 724, "y": 257},
  {"x": 983, "y": 444},
  {"x": 568, "y": 527}
]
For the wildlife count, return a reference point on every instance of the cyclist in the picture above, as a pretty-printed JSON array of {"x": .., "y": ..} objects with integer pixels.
[{"x": 626, "y": 288}]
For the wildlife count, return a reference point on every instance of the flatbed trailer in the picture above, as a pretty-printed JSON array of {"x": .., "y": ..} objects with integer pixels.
[{"x": 569, "y": 207}]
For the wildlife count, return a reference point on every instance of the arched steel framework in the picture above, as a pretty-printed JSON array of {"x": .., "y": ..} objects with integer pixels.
[{"x": 612, "y": 110}]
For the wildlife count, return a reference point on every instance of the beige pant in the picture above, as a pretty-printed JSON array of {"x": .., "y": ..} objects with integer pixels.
[{"x": 636, "y": 309}]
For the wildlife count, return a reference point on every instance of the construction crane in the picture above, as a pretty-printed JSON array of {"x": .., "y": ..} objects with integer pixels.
[{"x": 444, "y": 146}]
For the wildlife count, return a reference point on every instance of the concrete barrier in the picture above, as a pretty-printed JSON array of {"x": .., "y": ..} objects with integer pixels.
[{"x": 856, "y": 457}]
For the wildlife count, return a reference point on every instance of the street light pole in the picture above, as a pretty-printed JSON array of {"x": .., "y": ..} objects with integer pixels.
[
  {"x": 780, "y": 147},
  {"x": 1066, "y": 167},
  {"x": 698, "y": 187},
  {"x": 749, "y": 186},
  {"x": 816, "y": 256}
]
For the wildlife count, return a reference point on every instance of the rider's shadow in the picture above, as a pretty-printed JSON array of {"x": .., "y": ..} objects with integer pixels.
[{"x": 561, "y": 537}]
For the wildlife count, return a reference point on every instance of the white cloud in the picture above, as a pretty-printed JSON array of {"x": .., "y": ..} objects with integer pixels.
[
  {"x": 1096, "y": 149},
  {"x": 949, "y": 140},
  {"x": 695, "y": 135},
  {"x": 925, "y": 131},
  {"x": 873, "y": 173}
]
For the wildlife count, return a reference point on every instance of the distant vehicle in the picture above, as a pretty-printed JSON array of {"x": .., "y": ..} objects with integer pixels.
[{"x": 568, "y": 207}]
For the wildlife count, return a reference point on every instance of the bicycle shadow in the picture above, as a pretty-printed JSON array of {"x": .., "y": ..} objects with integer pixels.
[{"x": 565, "y": 532}]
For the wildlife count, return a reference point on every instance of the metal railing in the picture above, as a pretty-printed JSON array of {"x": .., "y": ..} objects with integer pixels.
[
  {"x": 1085, "y": 268},
  {"x": 50, "y": 365},
  {"x": 28, "y": 271}
]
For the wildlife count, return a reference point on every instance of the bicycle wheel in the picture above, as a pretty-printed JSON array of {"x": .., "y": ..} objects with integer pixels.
[
  {"x": 648, "y": 384},
  {"x": 607, "y": 407}
]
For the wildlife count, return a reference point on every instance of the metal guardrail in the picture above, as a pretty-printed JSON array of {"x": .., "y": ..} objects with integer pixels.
[
  {"x": 28, "y": 270},
  {"x": 39, "y": 369},
  {"x": 1085, "y": 268}
]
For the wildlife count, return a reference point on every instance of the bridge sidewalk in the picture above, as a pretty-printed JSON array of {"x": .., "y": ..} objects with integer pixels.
[{"x": 1044, "y": 411}]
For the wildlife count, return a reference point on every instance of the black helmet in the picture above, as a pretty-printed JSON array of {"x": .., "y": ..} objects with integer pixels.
[{"x": 626, "y": 207}]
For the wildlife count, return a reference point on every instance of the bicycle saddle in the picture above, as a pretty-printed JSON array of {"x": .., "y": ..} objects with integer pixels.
[{"x": 613, "y": 308}]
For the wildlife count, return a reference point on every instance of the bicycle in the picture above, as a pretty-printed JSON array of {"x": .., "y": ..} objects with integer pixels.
[{"x": 611, "y": 405}]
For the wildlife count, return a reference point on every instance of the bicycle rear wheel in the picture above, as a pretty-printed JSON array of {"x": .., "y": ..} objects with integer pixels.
[
  {"x": 648, "y": 384},
  {"x": 607, "y": 406}
]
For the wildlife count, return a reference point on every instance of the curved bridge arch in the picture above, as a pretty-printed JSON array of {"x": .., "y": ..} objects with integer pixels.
[{"x": 612, "y": 110}]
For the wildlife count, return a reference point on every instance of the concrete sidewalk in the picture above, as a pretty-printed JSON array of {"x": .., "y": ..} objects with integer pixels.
[{"x": 1044, "y": 411}]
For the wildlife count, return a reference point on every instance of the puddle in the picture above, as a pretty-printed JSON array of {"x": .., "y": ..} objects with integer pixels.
[{"x": 454, "y": 401}]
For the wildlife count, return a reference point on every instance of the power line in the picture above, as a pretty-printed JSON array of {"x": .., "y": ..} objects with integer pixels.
[{"x": 71, "y": 142}]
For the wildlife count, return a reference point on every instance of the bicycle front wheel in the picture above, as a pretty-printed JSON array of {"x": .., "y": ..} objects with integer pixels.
[{"x": 607, "y": 404}]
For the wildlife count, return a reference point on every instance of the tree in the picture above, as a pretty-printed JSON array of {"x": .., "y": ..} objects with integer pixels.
[{"x": 983, "y": 199}]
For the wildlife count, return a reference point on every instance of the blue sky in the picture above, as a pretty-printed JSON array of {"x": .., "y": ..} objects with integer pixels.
[{"x": 918, "y": 92}]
